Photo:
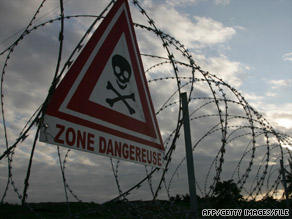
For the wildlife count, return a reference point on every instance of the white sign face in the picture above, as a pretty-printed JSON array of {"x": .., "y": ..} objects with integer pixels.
[
  {"x": 103, "y": 104},
  {"x": 118, "y": 76}
]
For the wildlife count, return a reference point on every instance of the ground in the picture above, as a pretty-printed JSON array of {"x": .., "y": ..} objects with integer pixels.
[{"x": 136, "y": 209}]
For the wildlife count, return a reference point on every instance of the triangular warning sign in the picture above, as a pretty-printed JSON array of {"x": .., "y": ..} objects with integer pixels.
[{"x": 103, "y": 104}]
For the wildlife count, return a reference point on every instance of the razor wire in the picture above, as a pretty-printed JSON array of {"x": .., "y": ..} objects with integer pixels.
[{"x": 219, "y": 96}]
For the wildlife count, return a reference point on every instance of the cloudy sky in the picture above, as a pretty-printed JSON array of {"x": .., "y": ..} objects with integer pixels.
[{"x": 247, "y": 43}]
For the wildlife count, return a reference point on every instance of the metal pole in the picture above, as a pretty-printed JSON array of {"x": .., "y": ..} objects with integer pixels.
[
  {"x": 26, "y": 181},
  {"x": 189, "y": 154},
  {"x": 285, "y": 187}
]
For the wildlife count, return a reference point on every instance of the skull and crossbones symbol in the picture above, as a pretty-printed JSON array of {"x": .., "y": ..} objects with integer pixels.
[{"x": 122, "y": 71}]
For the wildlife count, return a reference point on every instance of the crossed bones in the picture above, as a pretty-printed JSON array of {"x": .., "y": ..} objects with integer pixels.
[{"x": 120, "y": 97}]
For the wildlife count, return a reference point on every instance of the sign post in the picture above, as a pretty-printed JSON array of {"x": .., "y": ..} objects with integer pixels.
[{"x": 189, "y": 154}]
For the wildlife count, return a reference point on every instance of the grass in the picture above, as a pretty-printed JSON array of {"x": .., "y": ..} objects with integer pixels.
[
  {"x": 137, "y": 209},
  {"x": 179, "y": 207}
]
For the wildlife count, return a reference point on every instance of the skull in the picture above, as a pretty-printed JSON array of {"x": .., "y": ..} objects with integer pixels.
[{"x": 122, "y": 70}]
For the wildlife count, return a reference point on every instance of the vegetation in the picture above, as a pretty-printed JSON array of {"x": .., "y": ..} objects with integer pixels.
[
  {"x": 226, "y": 196},
  {"x": 226, "y": 193},
  {"x": 289, "y": 180}
]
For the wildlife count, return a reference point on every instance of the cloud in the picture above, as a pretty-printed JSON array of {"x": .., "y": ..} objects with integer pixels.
[
  {"x": 285, "y": 121},
  {"x": 15, "y": 16},
  {"x": 223, "y": 2},
  {"x": 185, "y": 3},
  {"x": 231, "y": 72},
  {"x": 209, "y": 31},
  {"x": 199, "y": 32},
  {"x": 280, "y": 83},
  {"x": 182, "y": 3},
  {"x": 280, "y": 112},
  {"x": 279, "y": 115},
  {"x": 287, "y": 57},
  {"x": 271, "y": 94}
]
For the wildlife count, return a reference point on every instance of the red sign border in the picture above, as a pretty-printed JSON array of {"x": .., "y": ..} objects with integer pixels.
[{"x": 119, "y": 119}]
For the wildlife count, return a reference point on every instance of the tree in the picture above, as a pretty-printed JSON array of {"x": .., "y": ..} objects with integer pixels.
[
  {"x": 289, "y": 179},
  {"x": 226, "y": 193}
]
